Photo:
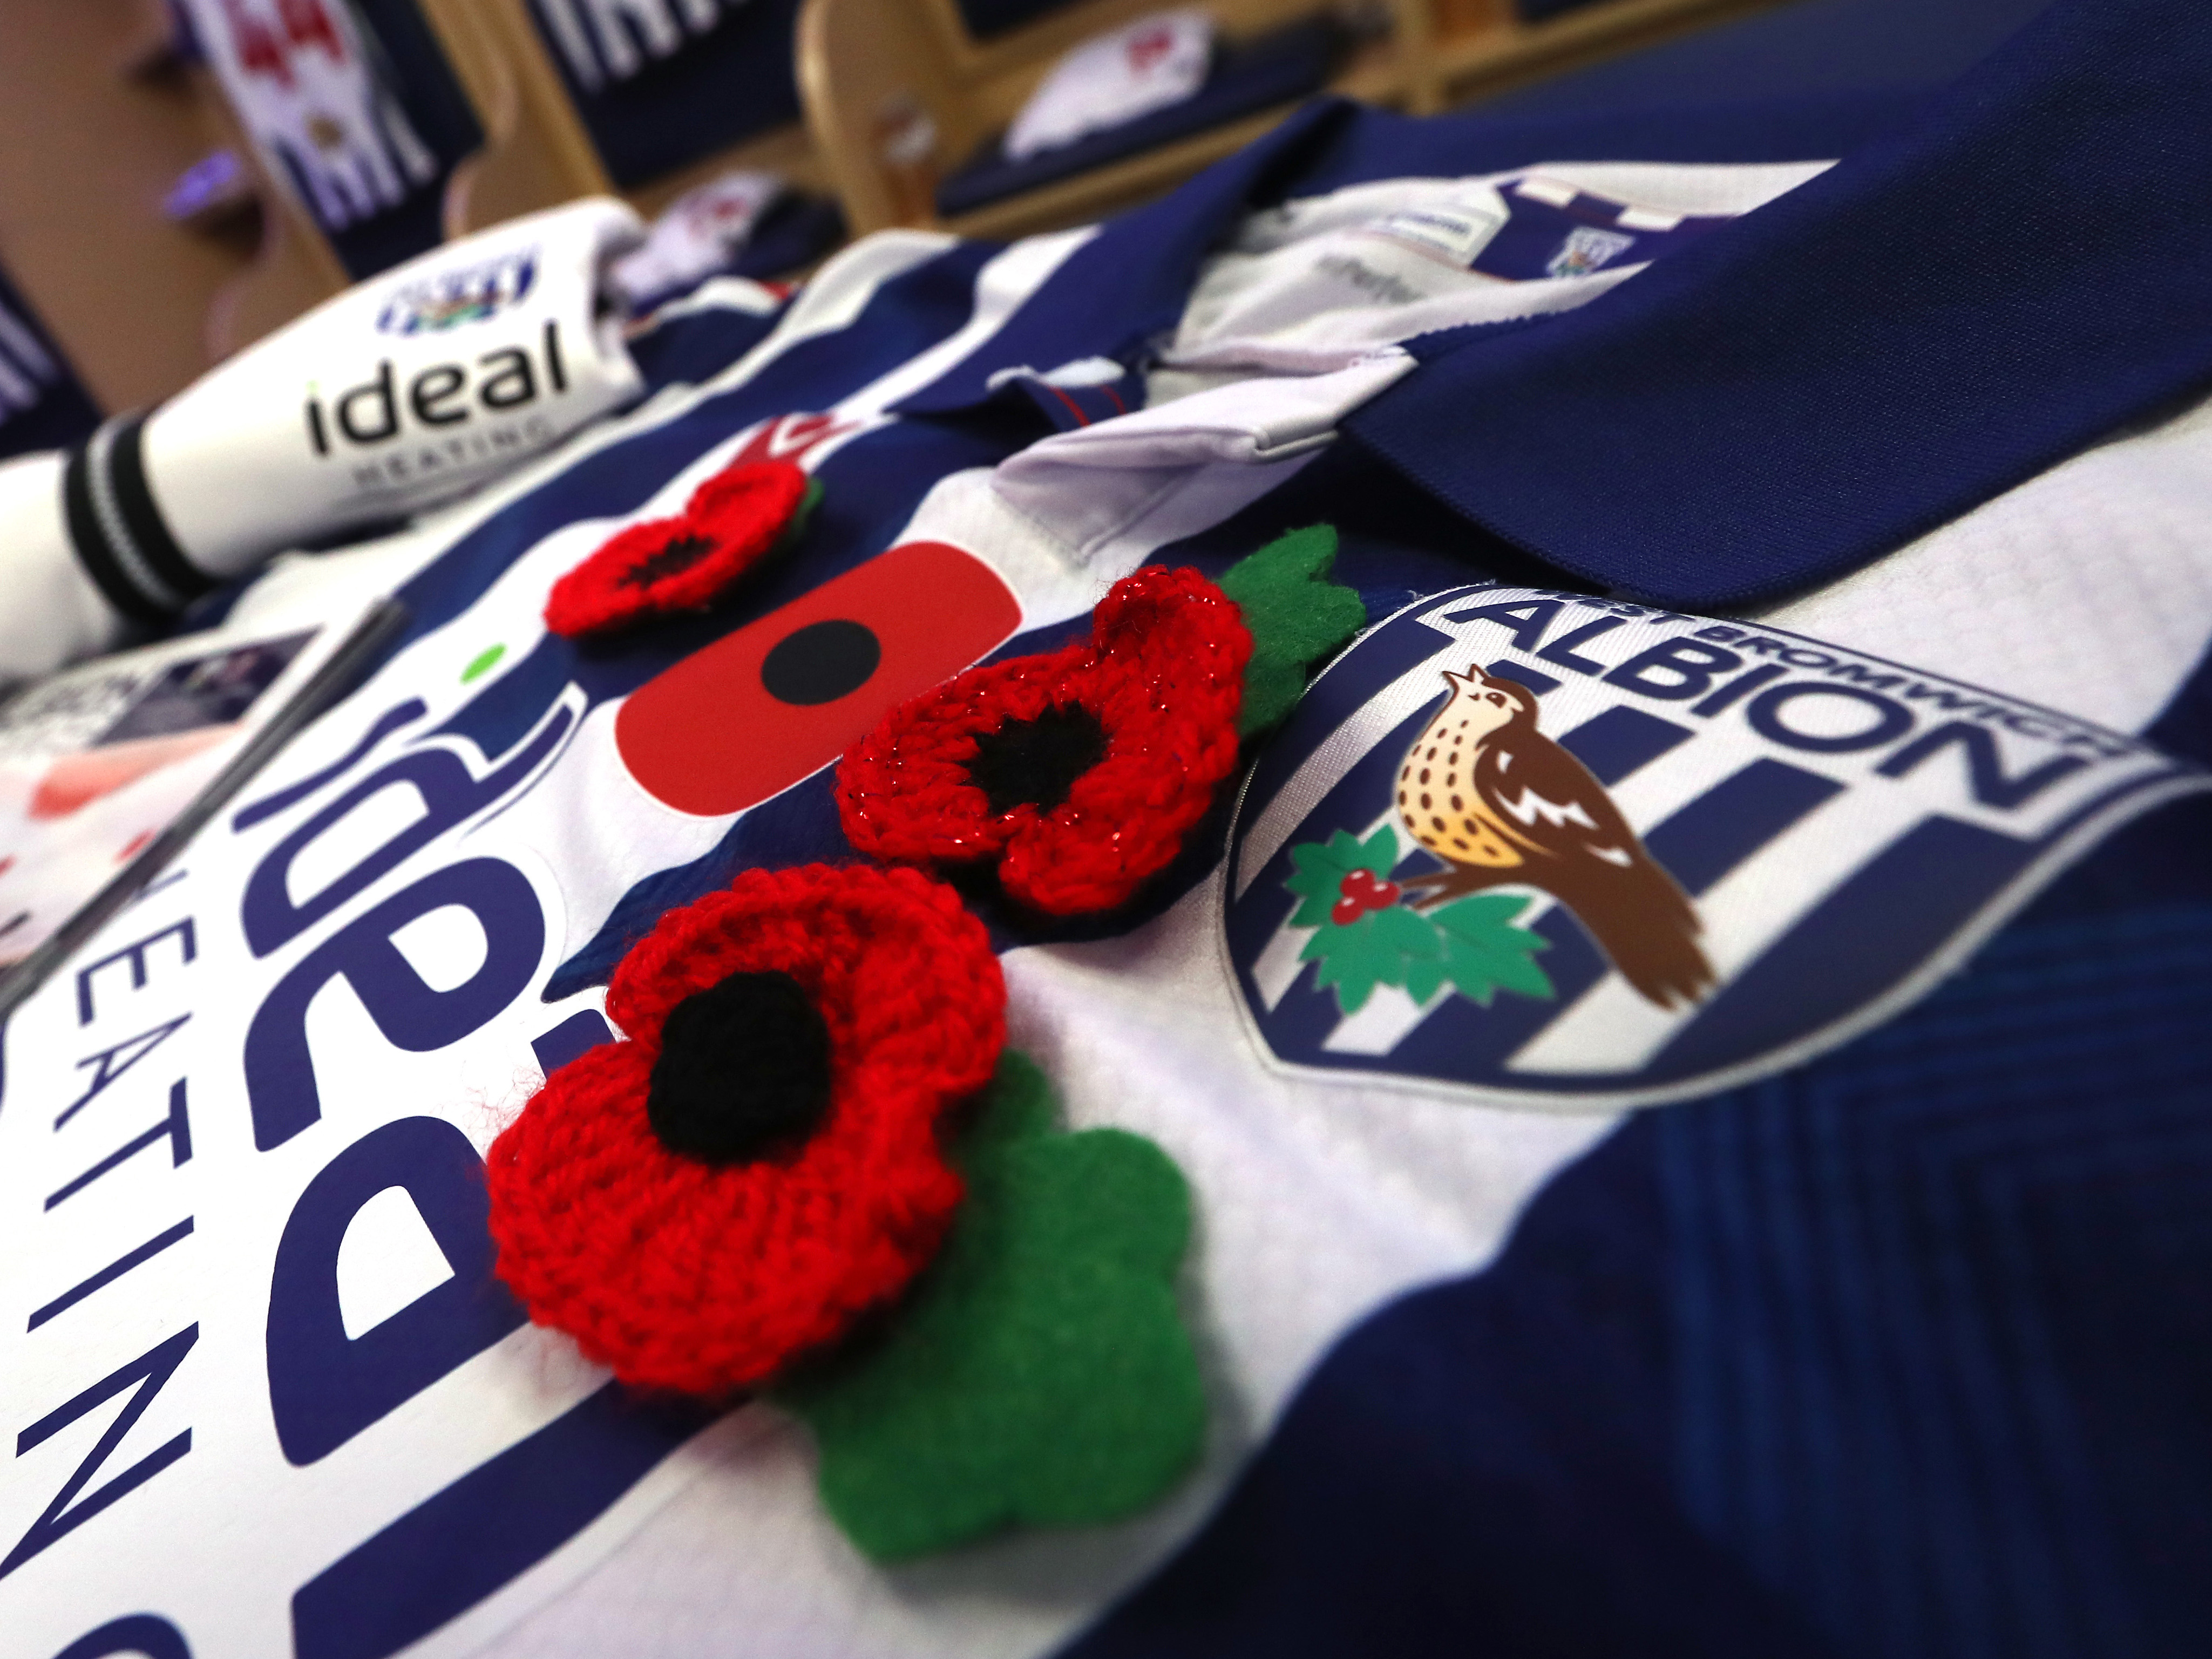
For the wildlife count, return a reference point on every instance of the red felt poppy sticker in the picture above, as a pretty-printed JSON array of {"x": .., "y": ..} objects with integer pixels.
[
  {"x": 779, "y": 698},
  {"x": 760, "y": 1163},
  {"x": 1079, "y": 771},
  {"x": 683, "y": 562}
]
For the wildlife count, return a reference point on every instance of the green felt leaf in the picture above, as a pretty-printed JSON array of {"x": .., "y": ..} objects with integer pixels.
[
  {"x": 1297, "y": 615},
  {"x": 800, "y": 515},
  {"x": 1483, "y": 952},
  {"x": 1038, "y": 1373}
]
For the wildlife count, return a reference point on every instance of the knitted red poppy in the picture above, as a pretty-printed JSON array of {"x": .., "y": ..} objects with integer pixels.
[
  {"x": 1080, "y": 770},
  {"x": 680, "y": 563},
  {"x": 685, "y": 1274}
]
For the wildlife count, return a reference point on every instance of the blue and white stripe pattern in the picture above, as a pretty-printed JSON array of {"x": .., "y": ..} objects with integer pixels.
[
  {"x": 1846, "y": 828},
  {"x": 1558, "y": 230},
  {"x": 26, "y": 367}
]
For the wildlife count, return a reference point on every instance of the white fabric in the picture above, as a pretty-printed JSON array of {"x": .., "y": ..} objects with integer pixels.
[
  {"x": 2087, "y": 588},
  {"x": 309, "y": 94},
  {"x": 54, "y": 614},
  {"x": 448, "y": 371},
  {"x": 1318, "y": 1197},
  {"x": 1107, "y": 81},
  {"x": 1303, "y": 287},
  {"x": 413, "y": 395},
  {"x": 701, "y": 230}
]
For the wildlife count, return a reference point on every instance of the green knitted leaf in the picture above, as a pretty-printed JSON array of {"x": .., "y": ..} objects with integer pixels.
[
  {"x": 1038, "y": 1374},
  {"x": 1297, "y": 615}
]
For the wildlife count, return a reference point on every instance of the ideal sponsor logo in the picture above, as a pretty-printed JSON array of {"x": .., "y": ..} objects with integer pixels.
[
  {"x": 453, "y": 298},
  {"x": 1579, "y": 853},
  {"x": 354, "y": 1320},
  {"x": 445, "y": 414},
  {"x": 140, "y": 1138}
]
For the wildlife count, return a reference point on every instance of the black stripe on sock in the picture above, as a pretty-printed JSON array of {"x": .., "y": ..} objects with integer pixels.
[
  {"x": 92, "y": 551},
  {"x": 142, "y": 515}
]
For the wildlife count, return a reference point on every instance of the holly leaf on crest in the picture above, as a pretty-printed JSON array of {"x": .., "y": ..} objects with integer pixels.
[
  {"x": 1484, "y": 952},
  {"x": 1321, "y": 867},
  {"x": 1380, "y": 948}
]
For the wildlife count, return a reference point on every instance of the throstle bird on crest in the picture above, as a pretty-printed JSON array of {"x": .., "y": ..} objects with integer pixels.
[{"x": 1502, "y": 805}]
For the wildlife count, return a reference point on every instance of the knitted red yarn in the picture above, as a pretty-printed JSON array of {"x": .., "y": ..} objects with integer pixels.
[
  {"x": 680, "y": 563},
  {"x": 1162, "y": 674},
  {"x": 682, "y": 1275}
]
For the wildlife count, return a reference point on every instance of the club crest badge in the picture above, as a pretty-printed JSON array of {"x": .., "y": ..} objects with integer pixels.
[
  {"x": 1586, "y": 248},
  {"x": 453, "y": 298},
  {"x": 1578, "y": 855}
]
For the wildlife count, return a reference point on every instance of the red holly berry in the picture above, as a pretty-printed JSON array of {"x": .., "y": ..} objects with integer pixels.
[{"x": 1362, "y": 891}]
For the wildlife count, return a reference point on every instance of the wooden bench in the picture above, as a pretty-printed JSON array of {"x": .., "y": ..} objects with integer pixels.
[
  {"x": 537, "y": 149},
  {"x": 865, "y": 67}
]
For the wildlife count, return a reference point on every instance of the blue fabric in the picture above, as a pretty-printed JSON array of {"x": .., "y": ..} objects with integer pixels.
[
  {"x": 1274, "y": 69},
  {"x": 796, "y": 231},
  {"x": 1153, "y": 253},
  {"x": 1945, "y": 314},
  {"x": 1067, "y": 408},
  {"x": 986, "y": 18},
  {"x": 1746, "y": 127},
  {"x": 63, "y": 413},
  {"x": 694, "y": 344},
  {"x": 1808, "y": 48},
  {"x": 729, "y": 84},
  {"x": 423, "y": 82},
  {"x": 1902, "y": 1353},
  {"x": 2184, "y": 725}
]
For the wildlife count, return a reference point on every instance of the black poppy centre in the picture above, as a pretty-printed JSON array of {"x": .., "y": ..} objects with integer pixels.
[
  {"x": 821, "y": 662},
  {"x": 744, "y": 1069},
  {"x": 1037, "y": 762},
  {"x": 677, "y": 556}
]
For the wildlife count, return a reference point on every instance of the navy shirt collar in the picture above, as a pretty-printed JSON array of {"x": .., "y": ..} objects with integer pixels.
[
  {"x": 2022, "y": 269},
  {"x": 1127, "y": 287}
]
